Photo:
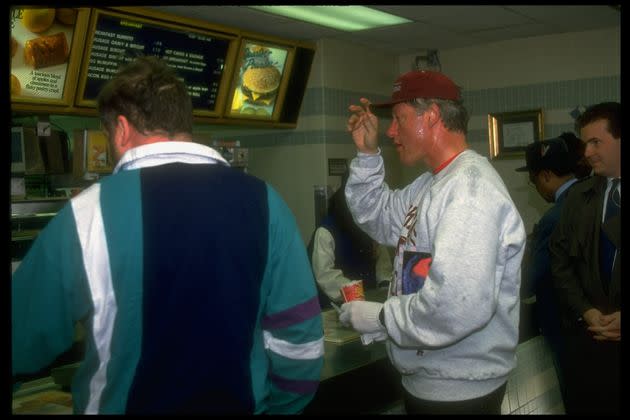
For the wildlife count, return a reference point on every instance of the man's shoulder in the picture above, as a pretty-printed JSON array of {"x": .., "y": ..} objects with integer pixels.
[{"x": 586, "y": 185}]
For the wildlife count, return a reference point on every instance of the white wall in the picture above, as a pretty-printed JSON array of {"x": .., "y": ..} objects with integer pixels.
[
  {"x": 356, "y": 67},
  {"x": 292, "y": 171}
]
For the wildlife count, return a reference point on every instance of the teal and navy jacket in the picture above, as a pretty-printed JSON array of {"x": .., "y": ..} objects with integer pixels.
[{"x": 192, "y": 283}]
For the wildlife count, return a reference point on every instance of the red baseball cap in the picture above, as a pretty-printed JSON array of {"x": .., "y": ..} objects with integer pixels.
[{"x": 422, "y": 84}]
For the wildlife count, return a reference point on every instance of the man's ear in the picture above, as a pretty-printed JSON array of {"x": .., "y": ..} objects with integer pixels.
[
  {"x": 122, "y": 131},
  {"x": 121, "y": 136},
  {"x": 432, "y": 114},
  {"x": 546, "y": 173}
]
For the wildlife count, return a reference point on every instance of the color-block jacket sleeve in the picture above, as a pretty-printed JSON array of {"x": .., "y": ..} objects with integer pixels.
[
  {"x": 48, "y": 295},
  {"x": 292, "y": 322},
  {"x": 377, "y": 209}
]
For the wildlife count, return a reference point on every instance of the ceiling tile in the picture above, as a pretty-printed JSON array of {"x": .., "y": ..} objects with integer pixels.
[{"x": 434, "y": 27}]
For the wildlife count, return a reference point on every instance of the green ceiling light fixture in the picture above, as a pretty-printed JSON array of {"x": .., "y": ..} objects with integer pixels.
[{"x": 344, "y": 18}]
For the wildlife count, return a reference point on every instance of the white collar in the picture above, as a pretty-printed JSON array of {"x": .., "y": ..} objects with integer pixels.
[{"x": 164, "y": 152}]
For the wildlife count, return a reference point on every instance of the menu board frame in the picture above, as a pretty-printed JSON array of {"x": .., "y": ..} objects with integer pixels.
[
  {"x": 72, "y": 64},
  {"x": 237, "y": 81},
  {"x": 222, "y": 92}
]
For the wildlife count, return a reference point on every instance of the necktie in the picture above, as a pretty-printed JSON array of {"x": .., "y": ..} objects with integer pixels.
[
  {"x": 613, "y": 203},
  {"x": 607, "y": 248}
]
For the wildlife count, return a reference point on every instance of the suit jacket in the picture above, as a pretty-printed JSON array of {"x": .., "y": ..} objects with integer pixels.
[{"x": 574, "y": 248}]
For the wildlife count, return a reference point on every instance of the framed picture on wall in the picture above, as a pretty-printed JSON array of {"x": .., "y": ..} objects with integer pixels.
[
  {"x": 91, "y": 154},
  {"x": 510, "y": 132}
]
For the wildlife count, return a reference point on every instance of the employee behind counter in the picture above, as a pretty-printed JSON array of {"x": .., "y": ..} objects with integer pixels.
[{"x": 341, "y": 252}]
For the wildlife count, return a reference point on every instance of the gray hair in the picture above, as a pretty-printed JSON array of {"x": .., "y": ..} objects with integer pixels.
[{"x": 454, "y": 114}]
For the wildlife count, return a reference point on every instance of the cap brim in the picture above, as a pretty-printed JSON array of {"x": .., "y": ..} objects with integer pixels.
[{"x": 387, "y": 104}]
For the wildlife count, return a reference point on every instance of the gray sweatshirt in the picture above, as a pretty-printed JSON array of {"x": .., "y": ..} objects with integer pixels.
[{"x": 452, "y": 314}]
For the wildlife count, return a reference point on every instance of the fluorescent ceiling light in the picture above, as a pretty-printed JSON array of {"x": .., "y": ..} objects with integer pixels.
[{"x": 345, "y": 18}]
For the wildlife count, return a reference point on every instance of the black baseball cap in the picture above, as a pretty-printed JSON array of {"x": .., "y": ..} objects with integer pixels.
[{"x": 557, "y": 154}]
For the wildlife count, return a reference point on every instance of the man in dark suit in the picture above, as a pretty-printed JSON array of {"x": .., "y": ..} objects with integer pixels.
[
  {"x": 586, "y": 267},
  {"x": 554, "y": 165}
]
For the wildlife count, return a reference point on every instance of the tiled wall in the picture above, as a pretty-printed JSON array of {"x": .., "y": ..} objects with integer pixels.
[
  {"x": 563, "y": 95},
  {"x": 560, "y": 95}
]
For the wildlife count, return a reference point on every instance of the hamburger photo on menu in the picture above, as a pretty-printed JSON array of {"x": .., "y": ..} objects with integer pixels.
[{"x": 260, "y": 80}]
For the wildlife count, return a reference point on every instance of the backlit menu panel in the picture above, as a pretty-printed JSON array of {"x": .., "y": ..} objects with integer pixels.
[{"x": 199, "y": 58}]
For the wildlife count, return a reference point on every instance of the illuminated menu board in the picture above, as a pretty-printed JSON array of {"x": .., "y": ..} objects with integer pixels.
[
  {"x": 262, "y": 68},
  {"x": 199, "y": 58}
]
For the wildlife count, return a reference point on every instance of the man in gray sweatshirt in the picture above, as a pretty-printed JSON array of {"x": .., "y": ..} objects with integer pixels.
[{"x": 452, "y": 314}]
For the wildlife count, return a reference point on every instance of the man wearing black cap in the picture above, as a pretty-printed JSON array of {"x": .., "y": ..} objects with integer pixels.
[
  {"x": 554, "y": 165},
  {"x": 451, "y": 317},
  {"x": 586, "y": 260}
]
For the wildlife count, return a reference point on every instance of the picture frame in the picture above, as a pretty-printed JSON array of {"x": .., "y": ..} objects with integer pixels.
[
  {"x": 91, "y": 155},
  {"x": 97, "y": 156},
  {"x": 509, "y": 133}
]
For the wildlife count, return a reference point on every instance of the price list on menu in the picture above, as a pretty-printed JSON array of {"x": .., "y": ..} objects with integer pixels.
[{"x": 199, "y": 59}]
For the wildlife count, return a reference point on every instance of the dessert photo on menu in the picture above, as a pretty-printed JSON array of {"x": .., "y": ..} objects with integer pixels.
[{"x": 40, "y": 46}]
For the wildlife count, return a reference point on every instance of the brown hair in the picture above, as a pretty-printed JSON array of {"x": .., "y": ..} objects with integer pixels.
[
  {"x": 610, "y": 111},
  {"x": 150, "y": 95}
]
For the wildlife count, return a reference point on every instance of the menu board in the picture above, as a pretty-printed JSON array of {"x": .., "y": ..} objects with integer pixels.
[
  {"x": 261, "y": 76},
  {"x": 40, "y": 44},
  {"x": 199, "y": 57}
]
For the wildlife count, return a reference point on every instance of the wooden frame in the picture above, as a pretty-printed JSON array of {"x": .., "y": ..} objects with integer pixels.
[
  {"x": 45, "y": 84},
  {"x": 510, "y": 132},
  {"x": 239, "y": 105}
]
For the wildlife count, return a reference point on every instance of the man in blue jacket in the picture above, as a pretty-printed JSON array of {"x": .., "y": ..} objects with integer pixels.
[
  {"x": 553, "y": 166},
  {"x": 190, "y": 278}
]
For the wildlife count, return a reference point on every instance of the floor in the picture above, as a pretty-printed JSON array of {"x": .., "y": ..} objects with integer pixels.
[{"x": 532, "y": 387}]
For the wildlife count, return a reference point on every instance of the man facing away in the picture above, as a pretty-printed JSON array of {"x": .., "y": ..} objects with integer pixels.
[
  {"x": 586, "y": 260},
  {"x": 190, "y": 278},
  {"x": 451, "y": 318}
]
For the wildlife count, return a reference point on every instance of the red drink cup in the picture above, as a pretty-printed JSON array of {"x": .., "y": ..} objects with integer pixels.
[{"x": 353, "y": 291}]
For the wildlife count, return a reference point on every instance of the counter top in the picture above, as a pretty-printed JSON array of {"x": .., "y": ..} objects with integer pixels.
[
  {"x": 343, "y": 358},
  {"x": 41, "y": 396},
  {"x": 340, "y": 358}
]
